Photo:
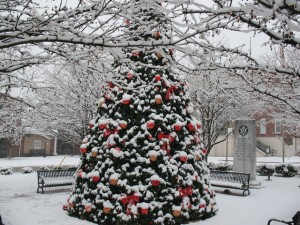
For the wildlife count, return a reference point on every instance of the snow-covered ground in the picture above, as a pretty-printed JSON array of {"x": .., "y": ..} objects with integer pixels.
[
  {"x": 21, "y": 205},
  {"x": 49, "y": 161}
]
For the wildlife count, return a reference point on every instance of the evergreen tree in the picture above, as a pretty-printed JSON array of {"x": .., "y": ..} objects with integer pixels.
[{"x": 143, "y": 160}]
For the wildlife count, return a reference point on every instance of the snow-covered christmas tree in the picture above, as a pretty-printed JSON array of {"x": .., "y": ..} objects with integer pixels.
[{"x": 143, "y": 160}]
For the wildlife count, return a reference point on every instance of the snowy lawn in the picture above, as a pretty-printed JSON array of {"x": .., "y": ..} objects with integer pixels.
[
  {"x": 49, "y": 161},
  {"x": 21, "y": 205}
]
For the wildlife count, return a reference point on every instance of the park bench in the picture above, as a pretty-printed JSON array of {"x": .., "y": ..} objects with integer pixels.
[
  {"x": 55, "y": 178},
  {"x": 230, "y": 180},
  {"x": 295, "y": 220}
]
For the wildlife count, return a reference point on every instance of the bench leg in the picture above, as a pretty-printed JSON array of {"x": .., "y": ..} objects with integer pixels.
[
  {"x": 38, "y": 189},
  {"x": 247, "y": 191}
]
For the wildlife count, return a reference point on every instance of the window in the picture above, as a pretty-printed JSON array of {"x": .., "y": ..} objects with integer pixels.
[
  {"x": 262, "y": 126},
  {"x": 37, "y": 144},
  {"x": 277, "y": 126}
]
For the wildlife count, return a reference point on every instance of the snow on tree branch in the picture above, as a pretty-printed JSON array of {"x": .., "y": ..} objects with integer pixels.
[{"x": 277, "y": 19}]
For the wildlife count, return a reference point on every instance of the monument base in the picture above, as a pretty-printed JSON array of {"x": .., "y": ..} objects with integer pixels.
[{"x": 254, "y": 184}]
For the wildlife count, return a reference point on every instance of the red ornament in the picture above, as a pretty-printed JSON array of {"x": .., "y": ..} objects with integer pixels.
[
  {"x": 177, "y": 127},
  {"x": 88, "y": 208},
  {"x": 183, "y": 158},
  {"x": 157, "y": 77},
  {"x": 155, "y": 183},
  {"x": 102, "y": 126},
  {"x": 191, "y": 127},
  {"x": 126, "y": 101},
  {"x": 130, "y": 75},
  {"x": 198, "y": 125},
  {"x": 150, "y": 124},
  {"x": 123, "y": 124},
  {"x": 144, "y": 211},
  {"x": 91, "y": 124},
  {"x": 80, "y": 173},
  {"x": 202, "y": 206},
  {"x": 83, "y": 149},
  {"x": 157, "y": 34},
  {"x": 204, "y": 150},
  {"x": 95, "y": 179}
]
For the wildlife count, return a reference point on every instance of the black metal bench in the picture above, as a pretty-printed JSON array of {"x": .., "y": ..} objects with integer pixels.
[
  {"x": 55, "y": 178},
  {"x": 296, "y": 220},
  {"x": 230, "y": 180}
]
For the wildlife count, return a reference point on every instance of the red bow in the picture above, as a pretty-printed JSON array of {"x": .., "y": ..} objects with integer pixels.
[
  {"x": 135, "y": 54},
  {"x": 166, "y": 144},
  {"x": 108, "y": 132},
  {"x": 161, "y": 136},
  {"x": 130, "y": 199},
  {"x": 127, "y": 21},
  {"x": 111, "y": 85},
  {"x": 184, "y": 192},
  {"x": 170, "y": 92}
]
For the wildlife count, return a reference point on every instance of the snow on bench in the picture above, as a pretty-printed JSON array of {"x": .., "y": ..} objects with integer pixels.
[
  {"x": 55, "y": 178},
  {"x": 230, "y": 180}
]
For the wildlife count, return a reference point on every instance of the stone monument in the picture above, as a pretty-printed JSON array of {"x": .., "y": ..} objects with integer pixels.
[{"x": 244, "y": 159}]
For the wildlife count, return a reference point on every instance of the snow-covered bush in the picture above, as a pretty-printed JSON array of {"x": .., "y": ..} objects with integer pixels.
[
  {"x": 44, "y": 168},
  {"x": 6, "y": 171},
  {"x": 72, "y": 167},
  {"x": 286, "y": 170},
  {"x": 57, "y": 168},
  {"x": 265, "y": 170},
  {"x": 219, "y": 166},
  {"x": 26, "y": 170}
]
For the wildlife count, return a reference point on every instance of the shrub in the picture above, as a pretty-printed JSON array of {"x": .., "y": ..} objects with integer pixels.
[
  {"x": 26, "y": 170},
  {"x": 44, "y": 168},
  {"x": 72, "y": 167},
  {"x": 219, "y": 166},
  {"x": 6, "y": 171},
  {"x": 265, "y": 170},
  {"x": 286, "y": 170},
  {"x": 57, "y": 168}
]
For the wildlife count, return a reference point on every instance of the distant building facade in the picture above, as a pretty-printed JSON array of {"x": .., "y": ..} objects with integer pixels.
[{"x": 33, "y": 144}]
